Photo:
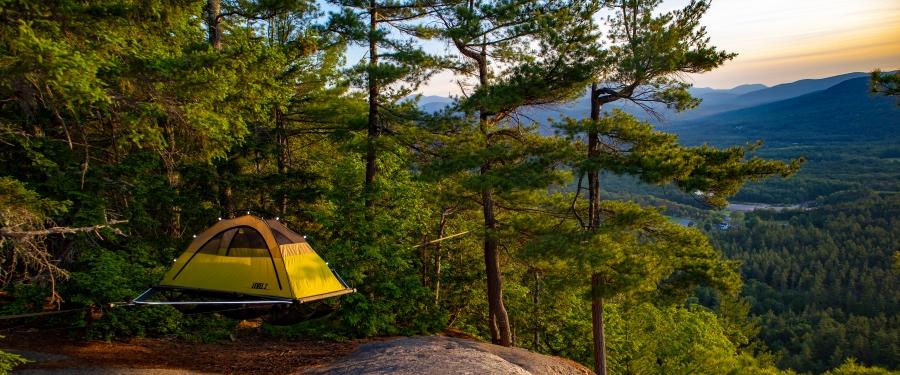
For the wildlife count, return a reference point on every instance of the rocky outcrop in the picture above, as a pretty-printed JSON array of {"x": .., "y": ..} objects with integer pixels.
[{"x": 446, "y": 355}]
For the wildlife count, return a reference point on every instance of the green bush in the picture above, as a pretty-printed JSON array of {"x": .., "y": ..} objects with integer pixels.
[
  {"x": 851, "y": 367},
  {"x": 135, "y": 321},
  {"x": 26, "y": 298},
  {"x": 106, "y": 275},
  {"x": 8, "y": 361},
  {"x": 205, "y": 328}
]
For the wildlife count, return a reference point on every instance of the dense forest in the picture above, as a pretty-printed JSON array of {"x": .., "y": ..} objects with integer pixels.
[
  {"x": 128, "y": 126},
  {"x": 822, "y": 281}
]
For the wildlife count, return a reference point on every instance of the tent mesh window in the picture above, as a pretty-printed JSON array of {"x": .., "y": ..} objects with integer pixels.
[
  {"x": 237, "y": 242},
  {"x": 280, "y": 237},
  {"x": 283, "y": 234}
]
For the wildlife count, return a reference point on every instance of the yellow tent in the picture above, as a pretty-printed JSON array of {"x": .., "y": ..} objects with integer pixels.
[{"x": 255, "y": 257}]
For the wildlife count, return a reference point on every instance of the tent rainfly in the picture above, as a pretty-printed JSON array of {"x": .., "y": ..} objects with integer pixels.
[{"x": 259, "y": 259}]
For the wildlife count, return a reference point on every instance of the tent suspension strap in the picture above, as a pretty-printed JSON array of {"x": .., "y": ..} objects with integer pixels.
[
  {"x": 442, "y": 239},
  {"x": 41, "y": 313},
  {"x": 110, "y": 305},
  {"x": 44, "y": 313}
]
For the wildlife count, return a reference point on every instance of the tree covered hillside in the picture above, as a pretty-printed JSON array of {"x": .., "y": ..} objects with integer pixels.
[{"x": 823, "y": 282}]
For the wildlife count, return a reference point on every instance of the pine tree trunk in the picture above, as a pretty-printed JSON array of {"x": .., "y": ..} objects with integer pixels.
[
  {"x": 501, "y": 333},
  {"x": 437, "y": 259},
  {"x": 499, "y": 319},
  {"x": 536, "y": 303},
  {"x": 424, "y": 260},
  {"x": 593, "y": 224},
  {"x": 598, "y": 326},
  {"x": 174, "y": 178},
  {"x": 214, "y": 36},
  {"x": 594, "y": 175},
  {"x": 213, "y": 24},
  {"x": 373, "y": 131},
  {"x": 227, "y": 199},
  {"x": 282, "y": 157}
]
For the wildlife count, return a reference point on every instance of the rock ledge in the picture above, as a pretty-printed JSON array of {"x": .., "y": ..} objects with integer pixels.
[{"x": 446, "y": 355}]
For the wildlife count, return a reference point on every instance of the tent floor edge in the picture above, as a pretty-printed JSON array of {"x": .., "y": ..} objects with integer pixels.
[
  {"x": 326, "y": 295},
  {"x": 144, "y": 299}
]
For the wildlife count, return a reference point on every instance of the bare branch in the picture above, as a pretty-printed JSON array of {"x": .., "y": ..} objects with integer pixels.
[{"x": 7, "y": 232}]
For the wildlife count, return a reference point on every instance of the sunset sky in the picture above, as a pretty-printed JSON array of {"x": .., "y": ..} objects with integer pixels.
[{"x": 785, "y": 40}]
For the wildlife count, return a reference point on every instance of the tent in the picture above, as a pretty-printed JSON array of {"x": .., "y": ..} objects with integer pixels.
[{"x": 260, "y": 260}]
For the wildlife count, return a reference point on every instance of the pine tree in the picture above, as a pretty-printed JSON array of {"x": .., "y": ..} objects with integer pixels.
[
  {"x": 491, "y": 139},
  {"x": 304, "y": 88},
  {"x": 647, "y": 54},
  {"x": 635, "y": 148},
  {"x": 885, "y": 83},
  {"x": 396, "y": 64}
]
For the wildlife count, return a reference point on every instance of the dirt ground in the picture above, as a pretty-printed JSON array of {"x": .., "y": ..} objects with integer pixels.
[{"x": 54, "y": 351}]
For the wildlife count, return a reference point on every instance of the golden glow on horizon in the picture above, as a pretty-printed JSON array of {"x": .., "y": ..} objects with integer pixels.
[{"x": 782, "y": 41}]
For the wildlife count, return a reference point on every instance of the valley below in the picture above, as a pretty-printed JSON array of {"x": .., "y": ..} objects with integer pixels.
[
  {"x": 750, "y": 207},
  {"x": 818, "y": 250}
]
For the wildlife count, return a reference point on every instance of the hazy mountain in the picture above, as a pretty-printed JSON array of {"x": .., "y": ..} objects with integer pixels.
[
  {"x": 810, "y": 110},
  {"x": 743, "y": 89},
  {"x": 844, "y": 112},
  {"x": 745, "y": 96},
  {"x": 713, "y": 100},
  {"x": 735, "y": 91},
  {"x": 427, "y": 99},
  {"x": 794, "y": 89},
  {"x": 433, "y": 103}
]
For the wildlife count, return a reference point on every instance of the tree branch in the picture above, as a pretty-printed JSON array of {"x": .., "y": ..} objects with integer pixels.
[{"x": 7, "y": 232}]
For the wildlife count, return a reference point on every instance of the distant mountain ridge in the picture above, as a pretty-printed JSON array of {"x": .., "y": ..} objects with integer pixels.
[
  {"x": 831, "y": 109},
  {"x": 713, "y": 100},
  {"x": 747, "y": 88},
  {"x": 844, "y": 112},
  {"x": 795, "y": 89},
  {"x": 737, "y": 90},
  {"x": 754, "y": 95}
]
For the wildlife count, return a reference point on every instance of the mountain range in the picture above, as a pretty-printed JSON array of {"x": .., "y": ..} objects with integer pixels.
[
  {"x": 844, "y": 112},
  {"x": 824, "y": 110}
]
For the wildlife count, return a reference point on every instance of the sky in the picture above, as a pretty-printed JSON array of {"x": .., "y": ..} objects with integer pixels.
[{"x": 780, "y": 41}]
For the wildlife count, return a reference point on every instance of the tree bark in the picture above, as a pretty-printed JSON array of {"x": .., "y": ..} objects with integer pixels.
[
  {"x": 501, "y": 333},
  {"x": 593, "y": 223},
  {"x": 594, "y": 175},
  {"x": 598, "y": 326},
  {"x": 173, "y": 177},
  {"x": 282, "y": 157},
  {"x": 425, "y": 261},
  {"x": 213, "y": 23},
  {"x": 437, "y": 259},
  {"x": 228, "y": 199},
  {"x": 500, "y": 329},
  {"x": 373, "y": 130},
  {"x": 213, "y": 10},
  {"x": 536, "y": 302}
]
